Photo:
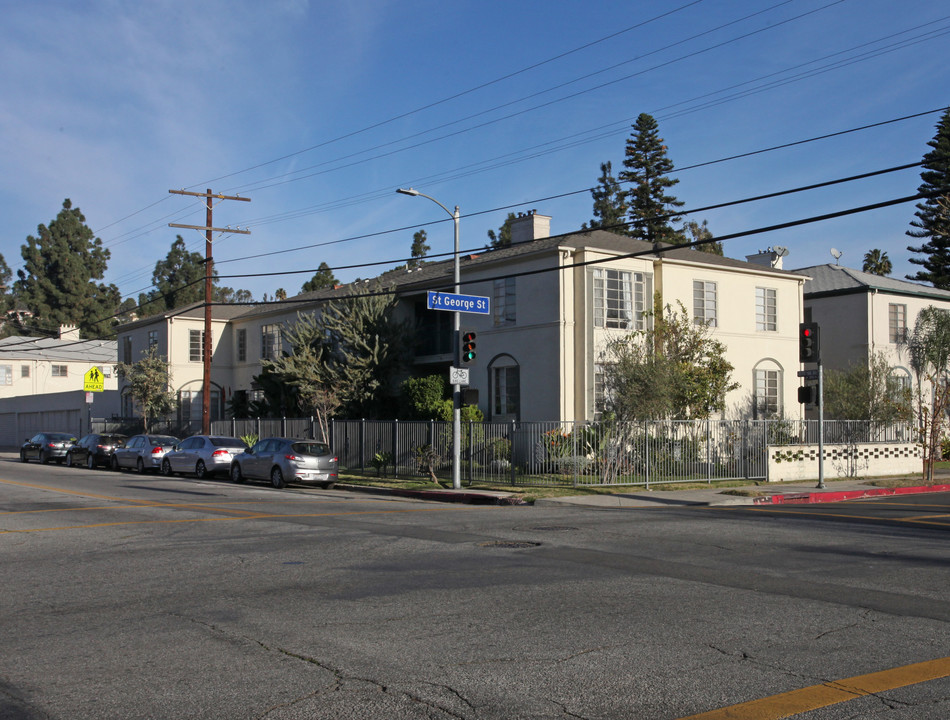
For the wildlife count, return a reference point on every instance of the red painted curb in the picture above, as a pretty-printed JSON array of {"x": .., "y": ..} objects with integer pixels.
[{"x": 821, "y": 496}]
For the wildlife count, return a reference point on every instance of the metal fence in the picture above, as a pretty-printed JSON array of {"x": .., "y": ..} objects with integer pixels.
[
  {"x": 588, "y": 454},
  {"x": 553, "y": 453}
]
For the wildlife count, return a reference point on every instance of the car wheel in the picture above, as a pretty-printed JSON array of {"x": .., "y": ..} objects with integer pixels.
[
  {"x": 44, "y": 458},
  {"x": 201, "y": 472},
  {"x": 277, "y": 478},
  {"x": 69, "y": 459},
  {"x": 114, "y": 463},
  {"x": 91, "y": 462},
  {"x": 166, "y": 468},
  {"x": 23, "y": 457},
  {"x": 140, "y": 466},
  {"x": 236, "y": 475}
]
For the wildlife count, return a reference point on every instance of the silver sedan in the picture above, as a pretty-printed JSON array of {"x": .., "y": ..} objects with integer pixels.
[
  {"x": 284, "y": 460},
  {"x": 203, "y": 455}
]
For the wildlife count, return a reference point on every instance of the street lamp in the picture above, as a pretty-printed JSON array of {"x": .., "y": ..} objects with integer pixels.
[{"x": 456, "y": 388}]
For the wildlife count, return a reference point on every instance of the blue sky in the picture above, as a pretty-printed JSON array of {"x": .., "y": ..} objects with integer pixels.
[{"x": 318, "y": 111}]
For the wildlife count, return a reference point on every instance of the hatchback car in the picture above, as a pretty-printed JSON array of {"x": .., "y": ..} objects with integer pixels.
[
  {"x": 285, "y": 460},
  {"x": 93, "y": 450},
  {"x": 46, "y": 446},
  {"x": 143, "y": 452},
  {"x": 203, "y": 455}
]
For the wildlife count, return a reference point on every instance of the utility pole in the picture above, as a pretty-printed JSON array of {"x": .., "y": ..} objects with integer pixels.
[{"x": 209, "y": 275}]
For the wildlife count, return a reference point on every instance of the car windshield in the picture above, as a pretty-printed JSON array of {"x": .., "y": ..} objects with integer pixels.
[
  {"x": 162, "y": 440},
  {"x": 111, "y": 439},
  {"x": 226, "y": 442},
  {"x": 311, "y": 448}
]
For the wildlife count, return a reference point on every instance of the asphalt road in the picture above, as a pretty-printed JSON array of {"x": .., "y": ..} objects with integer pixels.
[{"x": 127, "y": 596}]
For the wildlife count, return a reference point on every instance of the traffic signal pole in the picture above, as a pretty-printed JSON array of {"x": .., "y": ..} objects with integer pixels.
[{"x": 821, "y": 427}]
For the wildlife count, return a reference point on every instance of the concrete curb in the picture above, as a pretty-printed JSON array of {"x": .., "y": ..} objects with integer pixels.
[
  {"x": 836, "y": 496},
  {"x": 467, "y": 497}
]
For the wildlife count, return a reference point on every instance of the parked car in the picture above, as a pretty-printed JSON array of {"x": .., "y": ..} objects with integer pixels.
[
  {"x": 203, "y": 455},
  {"x": 46, "y": 446},
  {"x": 143, "y": 452},
  {"x": 93, "y": 450},
  {"x": 285, "y": 460}
]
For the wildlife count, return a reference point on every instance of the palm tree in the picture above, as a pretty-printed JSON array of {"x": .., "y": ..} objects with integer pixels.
[{"x": 876, "y": 262}]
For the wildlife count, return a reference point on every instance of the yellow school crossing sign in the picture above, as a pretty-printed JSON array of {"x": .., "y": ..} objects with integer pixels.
[{"x": 93, "y": 381}]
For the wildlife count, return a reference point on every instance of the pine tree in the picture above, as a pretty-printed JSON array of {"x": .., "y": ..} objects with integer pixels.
[
  {"x": 610, "y": 205},
  {"x": 177, "y": 280},
  {"x": 933, "y": 214},
  {"x": 650, "y": 209},
  {"x": 57, "y": 281},
  {"x": 323, "y": 278},
  {"x": 419, "y": 249}
]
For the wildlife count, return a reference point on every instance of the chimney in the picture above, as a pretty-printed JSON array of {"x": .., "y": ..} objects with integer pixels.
[
  {"x": 530, "y": 226},
  {"x": 68, "y": 332},
  {"x": 772, "y": 257}
]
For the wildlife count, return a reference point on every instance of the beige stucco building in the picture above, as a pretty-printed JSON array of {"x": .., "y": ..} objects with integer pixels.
[{"x": 556, "y": 301}]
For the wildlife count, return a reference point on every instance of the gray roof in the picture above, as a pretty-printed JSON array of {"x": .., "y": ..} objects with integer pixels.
[
  {"x": 96, "y": 352},
  {"x": 825, "y": 280},
  {"x": 438, "y": 275}
]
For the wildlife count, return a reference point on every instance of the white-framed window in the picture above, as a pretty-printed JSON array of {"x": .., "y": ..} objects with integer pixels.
[
  {"x": 704, "y": 303},
  {"x": 24, "y": 371},
  {"x": 766, "y": 318},
  {"x": 6, "y": 374},
  {"x": 270, "y": 342},
  {"x": 899, "y": 383},
  {"x": 897, "y": 323},
  {"x": 59, "y": 370},
  {"x": 600, "y": 389},
  {"x": 620, "y": 298},
  {"x": 196, "y": 345},
  {"x": 505, "y": 390},
  {"x": 503, "y": 308},
  {"x": 152, "y": 338},
  {"x": 768, "y": 393},
  {"x": 242, "y": 345}
]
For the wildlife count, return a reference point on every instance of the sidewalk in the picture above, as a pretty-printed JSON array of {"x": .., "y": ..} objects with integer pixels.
[{"x": 779, "y": 493}]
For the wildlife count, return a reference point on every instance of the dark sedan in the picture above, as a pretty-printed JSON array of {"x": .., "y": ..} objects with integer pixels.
[
  {"x": 46, "y": 446},
  {"x": 93, "y": 450}
]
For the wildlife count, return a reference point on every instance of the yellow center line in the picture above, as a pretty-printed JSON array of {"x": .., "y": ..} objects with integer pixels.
[{"x": 795, "y": 702}]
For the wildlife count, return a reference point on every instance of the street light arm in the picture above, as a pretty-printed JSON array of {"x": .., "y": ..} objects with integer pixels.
[{"x": 414, "y": 193}]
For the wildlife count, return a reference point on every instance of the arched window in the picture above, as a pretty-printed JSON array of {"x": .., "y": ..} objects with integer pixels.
[
  {"x": 767, "y": 396},
  {"x": 504, "y": 375}
]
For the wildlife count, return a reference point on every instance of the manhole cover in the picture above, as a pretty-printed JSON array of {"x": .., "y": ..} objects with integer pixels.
[{"x": 510, "y": 544}]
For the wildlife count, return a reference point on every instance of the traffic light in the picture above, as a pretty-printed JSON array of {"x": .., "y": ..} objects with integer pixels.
[
  {"x": 808, "y": 394},
  {"x": 467, "y": 349},
  {"x": 808, "y": 342}
]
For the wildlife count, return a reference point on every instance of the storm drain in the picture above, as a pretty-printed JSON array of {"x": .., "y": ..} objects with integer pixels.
[{"x": 511, "y": 544}]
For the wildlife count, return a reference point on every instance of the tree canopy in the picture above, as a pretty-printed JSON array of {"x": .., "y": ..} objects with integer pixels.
[
  {"x": 877, "y": 262},
  {"x": 347, "y": 356},
  {"x": 933, "y": 214},
  {"x": 322, "y": 279},
  {"x": 502, "y": 238},
  {"x": 57, "y": 281},
  {"x": 419, "y": 249},
  {"x": 148, "y": 382},
  {"x": 179, "y": 280},
  {"x": 610, "y": 204},
  {"x": 672, "y": 370}
]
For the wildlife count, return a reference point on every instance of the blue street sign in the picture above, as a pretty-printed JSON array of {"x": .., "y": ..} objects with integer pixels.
[{"x": 460, "y": 303}]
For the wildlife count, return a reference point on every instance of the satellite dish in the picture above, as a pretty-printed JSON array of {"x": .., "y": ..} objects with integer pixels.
[
  {"x": 780, "y": 250},
  {"x": 836, "y": 254}
]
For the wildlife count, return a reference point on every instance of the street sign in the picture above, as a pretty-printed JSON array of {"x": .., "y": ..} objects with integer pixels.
[
  {"x": 93, "y": 381},
  {"x": 457, "y": 303},
  {"x": 458, "y": 376},
  {"x": 808, "y": 374}
]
